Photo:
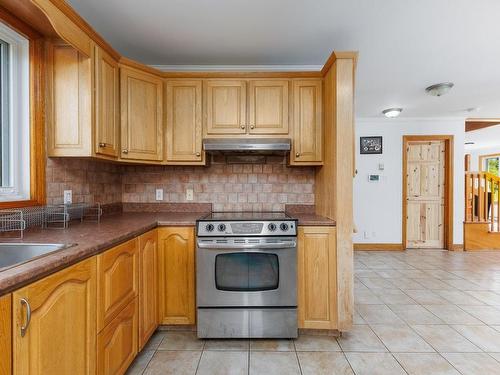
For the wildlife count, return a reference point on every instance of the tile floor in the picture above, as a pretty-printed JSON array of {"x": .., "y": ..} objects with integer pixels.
[{"x": 416, "y": 312}]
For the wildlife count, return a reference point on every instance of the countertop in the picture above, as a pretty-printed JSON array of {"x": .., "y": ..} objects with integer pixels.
[{"x": 92, "y": 238}]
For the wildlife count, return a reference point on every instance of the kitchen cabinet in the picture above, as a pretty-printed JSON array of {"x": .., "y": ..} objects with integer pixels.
[
  {"x": 148, "y": 286},
  {"x": 225, "y": 106},
  {"x": 307, "y": 133},
  {"x": 6, "y": 334},
  {"x": 183, "y": 110},
  {"x": 106, "y": 104},
  {"x": 60, "y": 336},
  {"x": 317, "y": 278},
  {"x": 117, "y": 343},
  {"x": 141, "y": 107},
  {"x": 117, "y": 280},
  {"x": 177, "y": 275},
  {"x": 268, "y": 107}
]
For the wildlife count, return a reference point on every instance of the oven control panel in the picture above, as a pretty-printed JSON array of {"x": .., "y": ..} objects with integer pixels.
[{"x": 246, "y": 228}]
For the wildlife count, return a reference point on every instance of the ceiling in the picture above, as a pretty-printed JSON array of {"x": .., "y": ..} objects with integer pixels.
[{"x": 404, "y": 45}]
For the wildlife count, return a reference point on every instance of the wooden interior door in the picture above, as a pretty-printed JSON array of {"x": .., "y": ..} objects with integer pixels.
[
  {"x": 425, "y": 193},
  {"x": 268, "y": 107}
]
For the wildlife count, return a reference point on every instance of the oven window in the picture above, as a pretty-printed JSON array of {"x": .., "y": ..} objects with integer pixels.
[{"x": 246, "y": 272}]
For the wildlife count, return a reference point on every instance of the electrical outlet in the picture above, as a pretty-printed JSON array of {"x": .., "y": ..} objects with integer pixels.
[
  {"x": 189, "y": 194},
  {"x": 68, "y": 196},
  {"x": 159, "y": 194}
]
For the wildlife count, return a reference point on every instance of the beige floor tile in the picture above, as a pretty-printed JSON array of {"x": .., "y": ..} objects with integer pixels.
[
  {"x": 483, "y": 336},
  {"x": 223, "y": 363},
  {"x": 272, "y": 345},
  {"x": 357, "y": 319},
  {"x": 415, "y": 314},
  {"x": 488, "y": 297},
  {"x": 443, "y": 338},
  {"x": 393, "y": 297},
  {"x": 140, "y": 362},
  {"x": 401, "y": 339},
  {"x": 432, "y": 283},
  {"x": 376, "y": 282},
  {"x": 458, "y": 297},
  {"x": 374, "y": 364},
  {"x": 366, "y": 297},
  {"x": 451, "y": 314},
  {"x": 426, "y": 297},
  {"x": 173, "y": 363},
  {"x": 227, "y": 344},
  {"x": 361, "y": 338},
  {"x": 155, "y": 340},
  {"x": 464, "y": 285},
  {"x": 378, "y": 314},
  {"x": 181, "y": 341},
  {"x": 487, "y": 314},
  {"x": 264, "y": 363},
  {"x": 425, "y": 364},
  {"x": 496, "y": 356},
  {"x": 389, "y": 274},
  {"x": 473, "y": 363},
  {"x": 324, "y": 363},
  {"x": 442, "y": 274},
  {"x": 311, "y": 343}
]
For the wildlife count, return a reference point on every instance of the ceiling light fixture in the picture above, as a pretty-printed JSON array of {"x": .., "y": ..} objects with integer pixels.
[
  {"x": 439, "y": 89},
  {"x": 392, "y": 112}
]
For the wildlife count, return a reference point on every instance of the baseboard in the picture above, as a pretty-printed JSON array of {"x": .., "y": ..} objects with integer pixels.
[
  {"x": 379, "y": 246},
  {"x": 457, "y": 247}
]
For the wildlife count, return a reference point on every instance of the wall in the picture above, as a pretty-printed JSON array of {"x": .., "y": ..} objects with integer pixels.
[
  {"x": 378, "y": 206},
  {"x": 474, "y": 160},
  {"x": 91, "y": 181},
  {"x": 230, "y": 187}
]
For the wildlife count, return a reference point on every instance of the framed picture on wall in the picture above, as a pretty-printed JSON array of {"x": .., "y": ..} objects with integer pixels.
[{"x": 370, "y": 145}]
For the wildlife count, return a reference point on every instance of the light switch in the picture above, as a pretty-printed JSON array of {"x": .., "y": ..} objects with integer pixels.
[
  {"x": 159, "y": 194},
  {"x": 68, "y": 196},
  {"x": 189, "y": 194}
]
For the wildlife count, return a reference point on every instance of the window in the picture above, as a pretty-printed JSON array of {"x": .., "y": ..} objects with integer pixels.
[
  {"x": 492, "y": 165},
  {"x": 14, "y": 116}
]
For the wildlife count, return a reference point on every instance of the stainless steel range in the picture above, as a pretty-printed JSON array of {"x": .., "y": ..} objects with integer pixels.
[{"x": 246, "y": 268}]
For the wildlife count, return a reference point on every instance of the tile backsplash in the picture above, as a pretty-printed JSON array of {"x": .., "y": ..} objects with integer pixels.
[{"x": 229, "y": 187}]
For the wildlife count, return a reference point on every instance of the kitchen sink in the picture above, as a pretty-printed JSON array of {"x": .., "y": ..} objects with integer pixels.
[{"x": 13, "y": 254}]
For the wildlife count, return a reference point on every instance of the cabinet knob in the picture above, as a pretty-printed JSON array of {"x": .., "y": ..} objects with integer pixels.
[
  {"x": 125, "y": 151},
  {"x": 252, "y": 126},
  {"x": 198, "y": 154},
  {"x": 102, "y": 144},
  {"x": 297, "y": 154},
  {"x": 243, "y": 126}
]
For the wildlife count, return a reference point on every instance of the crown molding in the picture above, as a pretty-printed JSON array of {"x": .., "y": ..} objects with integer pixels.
[{"x": 238, "y": 68}]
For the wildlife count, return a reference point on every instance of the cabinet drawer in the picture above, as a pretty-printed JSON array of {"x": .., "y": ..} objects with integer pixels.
[
  {"x": 117, "y": 343},
  {"x": 117, "y": 283}
]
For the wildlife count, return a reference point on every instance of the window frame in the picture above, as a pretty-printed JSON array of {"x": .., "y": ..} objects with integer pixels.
[{"x": 36, "y": 114}]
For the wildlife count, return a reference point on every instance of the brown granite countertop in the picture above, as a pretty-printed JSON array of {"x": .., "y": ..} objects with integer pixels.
[
  {"x": 310, "y": 219},
  {"x": 91, "y": 239}
]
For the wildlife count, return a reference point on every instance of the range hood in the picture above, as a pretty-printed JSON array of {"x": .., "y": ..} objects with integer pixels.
[{"x": 247, "y": 145}]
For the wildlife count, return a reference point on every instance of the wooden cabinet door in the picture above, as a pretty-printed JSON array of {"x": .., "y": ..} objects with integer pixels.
[
  {"x": 6, "y": 335},
  {"x": 268, "y": 109},
  {"x": 183, "y": 122},
  {"x": 106, "y": 104},
  {"x": 317, "y": 278},
  {"x": 117, "y": 280},
  {"x": 148, "y": 286},
  {"x": 225, "y": 106},
  {"x": 117, "y": 343},
  {"x": 307, "y": 139},
  {"x": 141, "y": 106},
  {"x": 177, "y": 275},
  {"x": 61, "y": 335}
]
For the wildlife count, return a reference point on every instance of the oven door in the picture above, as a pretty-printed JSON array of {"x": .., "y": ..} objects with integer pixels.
[{"x": 246, "y": 272}]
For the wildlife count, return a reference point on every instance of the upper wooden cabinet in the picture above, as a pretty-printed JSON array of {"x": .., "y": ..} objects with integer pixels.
[
  {"x": 307, "y": 134},
  {"x": 317, "y": 278},
  {"x": 268, "y": 107},
  {"x": 183, "y": 110},
  {"x": 177, "y": 275},
  {"x": 60, "y": 337},
  {"x": 106, "y": 104},
  {"x": 225, "y": 106},
  {"x": 141, "y": 107}
]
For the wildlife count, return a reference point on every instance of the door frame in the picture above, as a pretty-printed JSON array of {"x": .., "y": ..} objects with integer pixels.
[{"x": 448, "y": 191}]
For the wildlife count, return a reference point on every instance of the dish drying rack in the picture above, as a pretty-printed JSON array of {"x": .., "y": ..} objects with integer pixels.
[{"x": 52, "y": 216}]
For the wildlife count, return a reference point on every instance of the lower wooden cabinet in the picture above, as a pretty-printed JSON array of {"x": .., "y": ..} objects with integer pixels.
[
  {"x": 317, "y": 278},
  {"x": 117, "y": 343},
  {"x": 60, "y": 337},
  {"x": 148, "y": 286},
  {"x": 6, "y": 335},
  {"x": 117, "y": 285},
  {"x": 177, "y": 275}
]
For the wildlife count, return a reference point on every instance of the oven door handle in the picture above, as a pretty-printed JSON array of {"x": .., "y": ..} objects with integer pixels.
[{"x": 218, "y": 246}]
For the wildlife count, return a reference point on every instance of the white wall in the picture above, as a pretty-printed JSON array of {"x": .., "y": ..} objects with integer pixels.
[
  {"x": 476, "y": 153},
  {"x": 378, "y": 206}
]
